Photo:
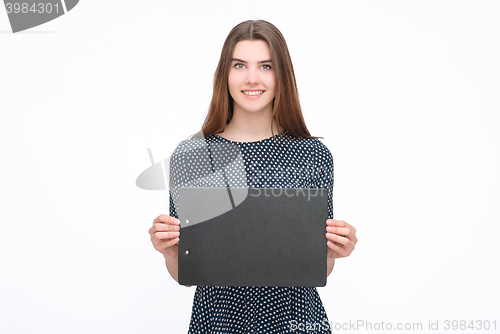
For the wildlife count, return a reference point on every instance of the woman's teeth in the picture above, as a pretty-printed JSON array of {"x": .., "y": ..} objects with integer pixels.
[{"x": 257, "y": 92}]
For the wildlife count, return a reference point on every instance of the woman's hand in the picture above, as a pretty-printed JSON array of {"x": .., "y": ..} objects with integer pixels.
[
  {"x": 341, "y": 238},
  {"x": 165, "y": 235}
]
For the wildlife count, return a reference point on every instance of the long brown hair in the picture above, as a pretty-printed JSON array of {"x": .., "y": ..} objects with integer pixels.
[{"x": 286, "y": 106}]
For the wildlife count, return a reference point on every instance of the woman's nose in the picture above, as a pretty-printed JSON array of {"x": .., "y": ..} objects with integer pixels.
[{"x": 252, "y": 77}]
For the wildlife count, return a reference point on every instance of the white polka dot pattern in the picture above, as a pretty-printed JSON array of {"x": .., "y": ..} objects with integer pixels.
[{"x": 268, "y": 163}]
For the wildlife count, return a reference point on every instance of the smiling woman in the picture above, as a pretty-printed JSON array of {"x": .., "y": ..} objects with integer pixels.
[
  {"x": 255, "y": 57},
  {"x": 255, "y": 108}
]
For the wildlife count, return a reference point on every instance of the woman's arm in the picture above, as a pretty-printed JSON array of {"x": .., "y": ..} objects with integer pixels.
[
  {"x": 329, "y": 267},
  {"x": 172, "y": 263}
]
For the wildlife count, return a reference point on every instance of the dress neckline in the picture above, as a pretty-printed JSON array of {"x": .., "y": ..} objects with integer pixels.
[{"x": 276, "y": 136}]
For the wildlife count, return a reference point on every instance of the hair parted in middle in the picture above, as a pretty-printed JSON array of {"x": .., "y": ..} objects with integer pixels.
[{"x": 287, "y": 112}]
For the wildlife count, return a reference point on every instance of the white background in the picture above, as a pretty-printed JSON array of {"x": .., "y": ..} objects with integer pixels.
[{"x": 405, "y": 94}]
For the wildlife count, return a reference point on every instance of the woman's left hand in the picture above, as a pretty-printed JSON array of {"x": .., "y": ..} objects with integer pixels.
[{"x": 341, "y": 238}]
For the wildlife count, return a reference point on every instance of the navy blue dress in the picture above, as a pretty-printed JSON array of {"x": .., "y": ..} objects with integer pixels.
[{"x": 274, "y": 162}]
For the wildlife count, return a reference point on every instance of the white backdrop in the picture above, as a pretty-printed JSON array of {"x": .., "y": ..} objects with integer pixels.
[{"x": 405, "y": 94}]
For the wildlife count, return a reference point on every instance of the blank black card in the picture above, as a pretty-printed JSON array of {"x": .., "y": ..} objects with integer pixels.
[{"x": 253, "y": 237}]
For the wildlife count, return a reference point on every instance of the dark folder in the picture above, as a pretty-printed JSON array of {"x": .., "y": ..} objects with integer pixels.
[{"x": 253, "y": 236}]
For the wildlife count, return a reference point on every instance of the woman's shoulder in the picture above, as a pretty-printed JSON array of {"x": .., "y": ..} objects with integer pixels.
[
  {"x": 313, "y": 145},
  {"x": 312, "y": 151},
  {"x": 188, "y": 148},
  {"x": 315, "y": 152}
]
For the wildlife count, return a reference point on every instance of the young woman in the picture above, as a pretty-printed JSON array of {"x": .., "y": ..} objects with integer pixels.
[{"x": 255, "y": 106}]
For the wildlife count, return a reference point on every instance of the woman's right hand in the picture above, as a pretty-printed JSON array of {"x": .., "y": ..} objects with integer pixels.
[{"x": 165, "y": 235}]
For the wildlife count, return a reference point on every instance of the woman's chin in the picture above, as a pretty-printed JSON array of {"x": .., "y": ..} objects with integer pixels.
[{"x": 252, "y": 109}]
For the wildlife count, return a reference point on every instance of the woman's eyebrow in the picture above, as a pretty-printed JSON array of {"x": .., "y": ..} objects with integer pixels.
[{"x": 260, "y": 62}]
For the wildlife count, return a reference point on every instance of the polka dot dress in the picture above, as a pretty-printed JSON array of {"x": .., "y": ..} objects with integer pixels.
[{"x": 274, "y": 162}]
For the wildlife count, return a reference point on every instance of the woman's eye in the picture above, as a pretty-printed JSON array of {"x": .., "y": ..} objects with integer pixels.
[
  {"x": 266, "y": 67},
  {"x": 239, "y": 65}
]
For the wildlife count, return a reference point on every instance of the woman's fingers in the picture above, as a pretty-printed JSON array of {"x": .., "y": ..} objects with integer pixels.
[
  {"x": 338, "y": 239},
  {"x": 341, "y": 237},
  {"x": 341, "y": 251},
  {"x": 334, "y": 247},
  {"x": 165, "y": 231},
  {"x": 165, "y": 227},
  {"x": 345, "y": 231},
  {"x": 170, "y": 242},
  {"x": 166, "y": 235},
  {"x": 160, "y": 227},
  {"x": 162, "y": 231},
  {"x": 166, "y": 220},
  {"x": 342, "y": 228}
]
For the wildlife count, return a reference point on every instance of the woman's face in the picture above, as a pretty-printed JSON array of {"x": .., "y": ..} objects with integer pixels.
[{"x": 251, "y": 77}]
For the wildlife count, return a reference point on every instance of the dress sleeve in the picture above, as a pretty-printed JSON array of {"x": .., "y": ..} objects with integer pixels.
[
  {"x": 324, "y": 174},
  {"x": 173, "y": 210},
  {"x": 188, "y": 167},
  {"x": 175, "y": 177}
]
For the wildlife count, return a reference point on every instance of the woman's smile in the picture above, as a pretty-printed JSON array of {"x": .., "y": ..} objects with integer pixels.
[{"x": 253, "y": 94}]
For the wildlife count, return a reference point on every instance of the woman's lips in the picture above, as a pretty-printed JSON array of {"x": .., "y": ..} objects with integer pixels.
[{"x": 253, "y": 94}]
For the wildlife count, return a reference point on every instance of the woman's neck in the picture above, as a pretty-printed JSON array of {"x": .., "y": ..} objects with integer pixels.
[{"x": 246, "y": 127}]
